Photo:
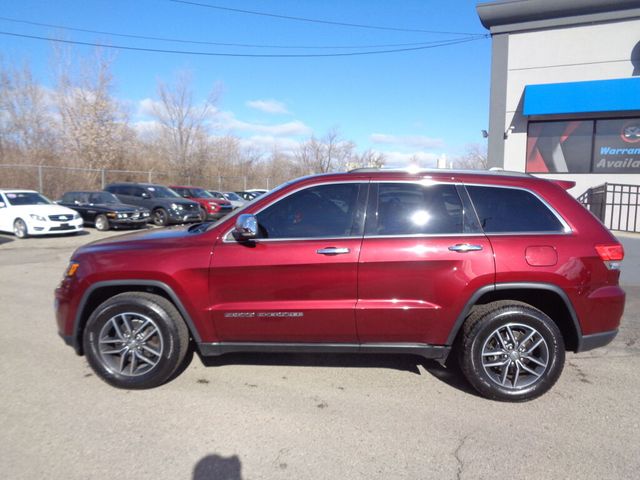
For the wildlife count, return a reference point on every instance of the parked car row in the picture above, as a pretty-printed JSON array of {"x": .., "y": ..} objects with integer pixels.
[{"x": 119, "y": 205}]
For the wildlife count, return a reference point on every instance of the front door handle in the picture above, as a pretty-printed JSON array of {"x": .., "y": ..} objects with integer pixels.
[
  {"x": 465, "y": 247},
  {"x": 332, "y": 251}
]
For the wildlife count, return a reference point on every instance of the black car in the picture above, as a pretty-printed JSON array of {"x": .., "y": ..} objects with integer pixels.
[
  {"x": 104, "y": 210},
  {"x": 166, "y": 206}
]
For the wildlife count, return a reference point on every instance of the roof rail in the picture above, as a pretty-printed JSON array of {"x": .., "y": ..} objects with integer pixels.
[{"x": 411, "y": 170}]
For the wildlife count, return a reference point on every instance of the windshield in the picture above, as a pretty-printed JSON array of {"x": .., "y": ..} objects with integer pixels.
[
  {"x": 232, "y": 196},
  {"x": 103, "y": 197},
  {"x": 201, "y": 193},
  {"x": 162, "y": 192},
  {"x": 27, "y": 198}
]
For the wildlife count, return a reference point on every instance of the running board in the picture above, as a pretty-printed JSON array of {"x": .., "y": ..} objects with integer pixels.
[{"x": 425, "y": 350}]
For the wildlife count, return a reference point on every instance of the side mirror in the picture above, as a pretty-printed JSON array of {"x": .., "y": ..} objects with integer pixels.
[
  {"x": 145, "y": 195},
  {"x": 246, "y": 227}
]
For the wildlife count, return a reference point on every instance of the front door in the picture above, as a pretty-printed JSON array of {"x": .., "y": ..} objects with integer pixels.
[{"x": 298, "y": 281}]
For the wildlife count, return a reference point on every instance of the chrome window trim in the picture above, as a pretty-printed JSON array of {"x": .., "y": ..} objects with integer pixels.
[
  {"x": 228, "y": 237},
  {"x": 565, "y": 226}
]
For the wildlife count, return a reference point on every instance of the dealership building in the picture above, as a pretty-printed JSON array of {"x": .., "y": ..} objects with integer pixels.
[{"x": 565, "y": 90}]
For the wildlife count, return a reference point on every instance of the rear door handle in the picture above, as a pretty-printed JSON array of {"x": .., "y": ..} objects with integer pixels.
[
  {"x": 465, "y": 247},
  {"x": 332, "y": 251}
]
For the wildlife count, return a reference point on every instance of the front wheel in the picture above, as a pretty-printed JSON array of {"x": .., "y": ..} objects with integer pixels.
[
  {"x": 160, "y": 217},
  {"x": 20, "y": 228},
  {"x": 102, "y": 223},
  {"x": 136, "y": 340},
  {"x": 511, "y": 351}
]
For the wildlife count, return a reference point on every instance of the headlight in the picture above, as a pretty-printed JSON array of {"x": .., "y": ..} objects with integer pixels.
[
  {"x": 76, "y": 216},
  {"x": 39, "y": 218},
  {"x": 122, "y": 215},
  {"x": 145, "y": 214},
  {"x": 176, "y": 206}
]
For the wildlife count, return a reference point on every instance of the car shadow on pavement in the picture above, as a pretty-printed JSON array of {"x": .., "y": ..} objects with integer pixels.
[
  {"x": 450, "y": 374},
  {"x": 216, "y": 467},
  {"x": 5, "y": 238}
]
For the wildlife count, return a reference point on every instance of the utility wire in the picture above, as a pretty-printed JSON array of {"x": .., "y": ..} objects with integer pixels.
[
  {"x": 197, "y": 42},
  {"x": 253, "y": 55},
  {"x": 326, "y": 22}
]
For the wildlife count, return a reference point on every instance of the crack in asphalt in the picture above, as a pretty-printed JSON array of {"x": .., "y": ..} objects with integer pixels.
[{"x": 456, "y": 455}]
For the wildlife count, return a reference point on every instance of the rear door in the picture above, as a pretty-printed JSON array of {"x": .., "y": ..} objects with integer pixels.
[
  {"x": 423, "y": 256},
  {"x": 298, "y": 281}
]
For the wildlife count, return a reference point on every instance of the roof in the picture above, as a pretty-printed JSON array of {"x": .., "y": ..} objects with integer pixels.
[
  {"x": 17, "y": 190},
  {"x": 440, "y": 171},
  {"x": 511, "y": 12}
]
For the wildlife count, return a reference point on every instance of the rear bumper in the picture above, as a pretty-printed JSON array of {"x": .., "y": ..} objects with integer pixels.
[{"x": 596, "y": 340}]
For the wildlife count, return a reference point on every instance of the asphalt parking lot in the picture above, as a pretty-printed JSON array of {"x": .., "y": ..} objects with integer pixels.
[{"x": 297, "y": 416}]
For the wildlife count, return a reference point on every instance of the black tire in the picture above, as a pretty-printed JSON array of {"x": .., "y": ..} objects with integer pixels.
[
  {"x": 203, "y": 214},
  {"x": 520, "y": 370},
  {"x": 117, "y": 356},
  {"x": 20, "y": 229},
  {"x": 160, "y": 217},
  {"x": 102, "y": 223}
]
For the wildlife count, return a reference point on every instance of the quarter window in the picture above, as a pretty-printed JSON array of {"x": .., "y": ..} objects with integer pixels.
[
  {"x": 510, "y": 210},
  {"x": 330, "y": 210},
  {"x": 411, "y": 208}
]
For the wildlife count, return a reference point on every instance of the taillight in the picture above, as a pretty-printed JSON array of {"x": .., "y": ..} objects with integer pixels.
[{"x": 611, "y": 255}]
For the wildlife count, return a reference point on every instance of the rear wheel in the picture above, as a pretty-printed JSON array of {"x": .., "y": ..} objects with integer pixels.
[
  {"x": 136, "y": 340},
  {"x": 102, "y": 223},
  {"x": 20, "y": 228},
  {"x": 511, "y": 351}
]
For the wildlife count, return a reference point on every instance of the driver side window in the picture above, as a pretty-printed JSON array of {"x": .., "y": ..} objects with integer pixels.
[{"x": 331, "y": 210}]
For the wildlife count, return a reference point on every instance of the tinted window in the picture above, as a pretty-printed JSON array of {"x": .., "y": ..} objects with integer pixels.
[
  {"x": 503, "y": 210},
  {"x": 320, "y": 211},
  {"x": 26, "y": 198},
  {"x": 410, "y": 209},
  {"x": 70, "y": 197},
  {"x": 102, "y": 197}
]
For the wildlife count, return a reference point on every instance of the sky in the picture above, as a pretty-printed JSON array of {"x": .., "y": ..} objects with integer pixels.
[{"x": 422, "y": 102}]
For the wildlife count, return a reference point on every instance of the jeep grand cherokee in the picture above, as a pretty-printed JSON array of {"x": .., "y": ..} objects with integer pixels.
[{"x": 505, "y": 270}]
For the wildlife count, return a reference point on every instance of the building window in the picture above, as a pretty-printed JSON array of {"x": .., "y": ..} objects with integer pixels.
[
  {"x": 554, "y": 147},
  {"x": 584, "y": 146}
]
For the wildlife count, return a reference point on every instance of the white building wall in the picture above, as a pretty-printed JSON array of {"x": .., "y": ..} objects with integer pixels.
[{"x": 566, "y": 54}]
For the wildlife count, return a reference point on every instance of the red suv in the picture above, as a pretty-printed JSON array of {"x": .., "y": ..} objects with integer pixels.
[
  {"x": 211, "y": 208},
  {"x": 505, "y": 270}
]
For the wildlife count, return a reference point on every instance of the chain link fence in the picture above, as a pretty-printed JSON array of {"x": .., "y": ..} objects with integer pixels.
[{"x": 53, "y": 181}]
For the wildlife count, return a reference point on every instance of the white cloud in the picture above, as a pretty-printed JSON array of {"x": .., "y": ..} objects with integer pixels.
[
  {"x": 404, "y": 159},
  {"x": 145, "y": 127},
  {"x": 227, "y": 120},
  {"x": 268, "y": 143},
  {"x": 407, "y": 141},
  {"x": 268, "y": 106}
]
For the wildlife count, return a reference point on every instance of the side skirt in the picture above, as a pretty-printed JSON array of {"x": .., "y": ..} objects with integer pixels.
[{"x": 433, "y": 352}]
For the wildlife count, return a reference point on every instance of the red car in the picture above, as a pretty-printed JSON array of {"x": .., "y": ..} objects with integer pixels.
[
  {"x": 211, "y": 208},
  {"x": 504, "y": 269}
]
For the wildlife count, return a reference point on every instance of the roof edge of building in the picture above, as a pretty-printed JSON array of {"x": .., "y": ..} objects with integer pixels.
[{"x": 508, "y": 12}]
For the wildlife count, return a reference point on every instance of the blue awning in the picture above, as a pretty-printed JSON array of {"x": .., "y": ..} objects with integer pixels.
[{"x": 582, "y": 97}]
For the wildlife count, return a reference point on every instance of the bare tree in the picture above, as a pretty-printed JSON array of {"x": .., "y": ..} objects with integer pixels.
[
  {"x": 94, "y": 126},
  {"x": 185, "y": 126},
  {"x": 474, "y": 158},
  {"x": 26, "y": 123},
  {"x": 367, "y": 159},
  {"x": 327, "y": 154}
]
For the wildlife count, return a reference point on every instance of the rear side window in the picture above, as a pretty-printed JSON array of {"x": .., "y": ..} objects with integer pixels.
[
  {"x": 412, "y": 208},
  {"x": 512, "y": 210}
]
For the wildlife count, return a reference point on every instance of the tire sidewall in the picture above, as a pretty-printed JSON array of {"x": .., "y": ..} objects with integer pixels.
[
  {"x": 170, "y": 355},
  {"x": 23, "y": 235},
  {"x": 494, "y": 320},
  {"x": 104, "y": 226},
  {"x": 160, "y": 217}
]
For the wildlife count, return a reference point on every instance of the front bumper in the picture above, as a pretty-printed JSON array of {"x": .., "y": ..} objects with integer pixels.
[
  {"x": 50, "y": 227},
  {"x": 129, "y": 222},
  {"x": 182, "y": 216}
]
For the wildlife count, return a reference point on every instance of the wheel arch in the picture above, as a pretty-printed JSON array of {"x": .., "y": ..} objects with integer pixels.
[
  {"x": 101, "y": 291},
  {"x": 548, "y": 298}
]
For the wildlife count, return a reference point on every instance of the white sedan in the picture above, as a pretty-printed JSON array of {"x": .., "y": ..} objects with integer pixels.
[{"x": 26, "y": 212}]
